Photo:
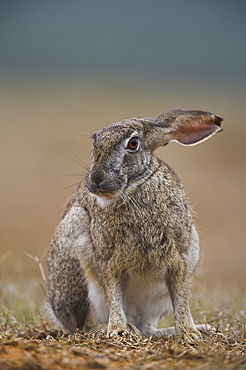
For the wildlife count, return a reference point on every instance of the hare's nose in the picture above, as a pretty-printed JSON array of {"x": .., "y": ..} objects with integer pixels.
[{"x": 97, "y": 175}]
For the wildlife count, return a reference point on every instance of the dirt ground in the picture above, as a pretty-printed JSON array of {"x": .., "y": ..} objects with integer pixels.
[
  {"x": 44, "y": 349},
  {"x": 29, "y": 341}
]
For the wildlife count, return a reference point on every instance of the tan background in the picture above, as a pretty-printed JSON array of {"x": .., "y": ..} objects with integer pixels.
[{"x": 48, "y": 115}]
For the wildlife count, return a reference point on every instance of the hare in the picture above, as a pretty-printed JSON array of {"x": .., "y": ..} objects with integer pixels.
[{"x": 126, "y": 246}]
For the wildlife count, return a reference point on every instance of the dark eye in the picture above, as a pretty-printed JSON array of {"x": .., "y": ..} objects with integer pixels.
[{"x": 133, "y": 143}]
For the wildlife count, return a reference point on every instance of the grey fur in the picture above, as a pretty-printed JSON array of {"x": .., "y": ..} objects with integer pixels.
[{"x": 126, "y": 245}]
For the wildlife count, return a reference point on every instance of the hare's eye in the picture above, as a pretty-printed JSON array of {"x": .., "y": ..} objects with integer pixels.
[{"x": 132, "y": 144}]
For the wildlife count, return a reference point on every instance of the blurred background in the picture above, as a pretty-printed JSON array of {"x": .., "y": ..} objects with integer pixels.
[{"x": 67, "y": 68}]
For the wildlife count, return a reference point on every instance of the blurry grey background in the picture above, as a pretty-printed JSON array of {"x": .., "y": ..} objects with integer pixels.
[{"x": 68, "y": 68}]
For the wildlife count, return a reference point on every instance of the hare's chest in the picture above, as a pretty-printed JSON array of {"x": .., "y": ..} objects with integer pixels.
[{"x": 130, "y": 238}]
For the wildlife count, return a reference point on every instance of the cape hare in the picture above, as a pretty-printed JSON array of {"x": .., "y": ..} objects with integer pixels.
[{"x": 126, "y": 245}]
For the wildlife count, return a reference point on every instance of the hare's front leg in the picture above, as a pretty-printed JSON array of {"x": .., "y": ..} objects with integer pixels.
[
  {"x": 178, "y": 281},
  {"x": 113, "y": 287},
  {"x": 114, "y": 292}
]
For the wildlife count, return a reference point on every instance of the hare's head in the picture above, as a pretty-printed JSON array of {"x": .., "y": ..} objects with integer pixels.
[{"x": 122, "y": 153}]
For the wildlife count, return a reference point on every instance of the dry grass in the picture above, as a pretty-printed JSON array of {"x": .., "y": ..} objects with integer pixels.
[{"x": 28, "y": 341}]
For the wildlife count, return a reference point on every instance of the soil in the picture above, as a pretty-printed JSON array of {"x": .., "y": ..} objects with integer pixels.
[{"x": 54, "y": 350}]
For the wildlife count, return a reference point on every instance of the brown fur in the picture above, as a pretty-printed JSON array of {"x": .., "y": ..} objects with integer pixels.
[{"x": 128, "y": 232}]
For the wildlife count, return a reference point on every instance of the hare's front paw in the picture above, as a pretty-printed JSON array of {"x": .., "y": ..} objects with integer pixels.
[
  {"x": 206, "y": 329},
  {"x": 116, "y": 333},
  {"x": 130, "y": 329},
  {"x": 189, "y": 334},
  {"x": 195, "y": 333}
]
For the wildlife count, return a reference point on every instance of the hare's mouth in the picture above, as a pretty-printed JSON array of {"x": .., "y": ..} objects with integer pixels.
[
  {"x": 105, "y": 195},
  {"x": 107, "y": 191},
  {"x": 105, "y": 199}
]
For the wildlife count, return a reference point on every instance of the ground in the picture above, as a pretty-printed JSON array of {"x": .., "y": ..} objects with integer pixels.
[{"x": 30, "y": 342}]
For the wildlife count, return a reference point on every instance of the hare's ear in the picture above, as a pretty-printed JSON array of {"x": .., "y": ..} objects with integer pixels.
[{"x": 187, "y": 127}]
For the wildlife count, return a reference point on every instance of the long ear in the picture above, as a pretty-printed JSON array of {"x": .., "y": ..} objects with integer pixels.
[{"x": 187, "y": 127}]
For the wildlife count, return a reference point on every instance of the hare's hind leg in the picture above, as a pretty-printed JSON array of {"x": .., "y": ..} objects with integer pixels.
[
  {"x": 170, "y": 331},
  {"x": 68, "y": 295}
]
